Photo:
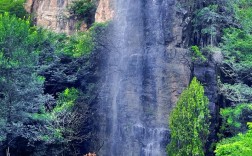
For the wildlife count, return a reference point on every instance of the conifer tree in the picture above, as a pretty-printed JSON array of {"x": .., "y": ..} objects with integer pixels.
[{"x": 189, "y": 122}]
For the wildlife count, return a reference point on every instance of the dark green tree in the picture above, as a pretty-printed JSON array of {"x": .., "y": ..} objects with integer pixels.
[
  {"x": 189, "y": 122},
  {"x": 14, "y": 7},
  {"x": 21, "y": 89},
  {"x": 83, "y": 10},
  {"x": 62, "y": 126}
]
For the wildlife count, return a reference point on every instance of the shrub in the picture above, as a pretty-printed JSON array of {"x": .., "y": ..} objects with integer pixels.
[
  {"x": 197, "y": 54},
  {"x": 234, "y": 119},
  {"x": 14, "y": 7},
  {"x": 83, "y": 10},
  {"x": 240, "y": 145}
]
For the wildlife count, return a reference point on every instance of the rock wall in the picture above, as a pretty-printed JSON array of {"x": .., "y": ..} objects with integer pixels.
[
  {"x": 104, "y": 11},
  {"x": 145, "y": 71},
  {"x": 53, "y": 14}
]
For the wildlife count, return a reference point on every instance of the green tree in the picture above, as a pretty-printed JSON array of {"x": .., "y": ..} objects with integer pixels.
[
  {"x": 237, "y": 51},
  {"x": 83, "y": 10},
  {"x": 62, "y": 126},
  {"x": 189, "y": 122},
  {"x": 206, "y": 20},
  {"x": 239, "y": 145},
  {"x": 234, "y": 119},
  {"x": 14, "y": 7},
  {"x": 21, "y": 89}
]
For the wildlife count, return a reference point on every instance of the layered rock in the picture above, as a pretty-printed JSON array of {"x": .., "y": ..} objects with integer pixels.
[
  {"x": 53, "y": 14},
  {"x": 145, "y": 71},
  {"x": 104, "y": 11}
]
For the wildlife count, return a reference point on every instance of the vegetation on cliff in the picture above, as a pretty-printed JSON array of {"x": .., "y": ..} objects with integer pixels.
[
  {"x": 46, "y": 108},
  {"x": 226, "y": 24},
  {"x": 48, "y": 82},
  {"x": 240, "y": 145},
  {"x": 83, "y": 10},
  {"x": 14, "y": 7}
]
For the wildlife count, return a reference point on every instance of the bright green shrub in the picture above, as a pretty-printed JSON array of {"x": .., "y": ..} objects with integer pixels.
[
  {"x": 234, "y": 119},
  {"x": 240, "y": 145},
  {"x": 189, "y": 122},
  {"x": 14, "y": 7},
  {"x": 83, "y": 43},
  {"x": 79, "y": 44},
  {"x": 197, "y": 54}
]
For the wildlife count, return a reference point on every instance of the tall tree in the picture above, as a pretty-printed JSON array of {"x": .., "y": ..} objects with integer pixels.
[
  {"x": 189, "y": 122},
  {"x": 21, "y": 89}
]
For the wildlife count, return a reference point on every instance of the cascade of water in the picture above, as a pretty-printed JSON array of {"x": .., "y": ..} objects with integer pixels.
[{"x": 133, "y": 97}]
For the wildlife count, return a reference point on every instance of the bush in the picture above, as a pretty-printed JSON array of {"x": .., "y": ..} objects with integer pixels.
[
  {"x": 78, "y": 45},
  {"x": 197, "y": 54},
  {"x": 240, "y": 145},
  {"x": 14, "y": 7},
  {"x": 189, "y": 122},
  {"x": 237, "y": 92},
  {"x": 63, "y": 125},
  {"x": 83, "y": 10},
  {"x": 234, "y": 119}
]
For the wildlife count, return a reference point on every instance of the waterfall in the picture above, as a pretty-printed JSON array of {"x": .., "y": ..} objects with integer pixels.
[{"x": 138, "y": 84}]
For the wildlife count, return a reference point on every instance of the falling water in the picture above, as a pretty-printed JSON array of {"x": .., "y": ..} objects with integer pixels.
[{"x": 135, "y": 97}]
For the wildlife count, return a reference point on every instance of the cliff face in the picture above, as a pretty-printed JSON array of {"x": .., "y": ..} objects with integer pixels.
[
  {"x": 145, "y": 71},
  {"x": 53, "y": 14},
  {"x": 104, "y": 11},
  {"x": 152, "y": 38}
]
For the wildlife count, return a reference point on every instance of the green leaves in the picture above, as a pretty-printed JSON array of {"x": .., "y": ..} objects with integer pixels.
[
  {"x": 14, "y": 7},
  {"x": 189, "y": 122},
  {"x": 237, "y": 51},
  {"x": 197, "y": 55},
  {"x": 78, "y": 45},
  {"x": 16, "y": 42},
  {"x": 234, "y": 119},
  {"x": 83, "y": 10},
  {"x": 240, "y": 145}
]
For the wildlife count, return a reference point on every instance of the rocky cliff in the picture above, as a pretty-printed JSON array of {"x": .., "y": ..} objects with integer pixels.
[
  {"x": 145, "y": 71},
  {"x": 54, "y": 15},
  {"x": 147, "y": 67},
  {"x": 104, "y": 11}
]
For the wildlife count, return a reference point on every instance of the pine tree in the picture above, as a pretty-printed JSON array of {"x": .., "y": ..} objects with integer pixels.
[{"x": 189, "y": 122}]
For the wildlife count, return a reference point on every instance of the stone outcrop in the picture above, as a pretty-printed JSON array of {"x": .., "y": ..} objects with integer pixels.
[
  {"x": 104, "y": 11},
  {"x": 145, "y": 71},
  {"x": 53, "y": 14}
]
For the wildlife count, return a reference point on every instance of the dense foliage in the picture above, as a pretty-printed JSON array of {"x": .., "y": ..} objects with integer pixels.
[
  {"x": 21, "y": 87},
  {"x": 240, "y": 145},
  {"x": 41, "y": 112},
  {"x": 14, "y": 7},
  {"x": 189, "y": 122},
  {"x": 83, "y": 10},
  {"x": 197, "y": 54},
  {"x": 237, "y": 50},
  {"x": 234, "y": 120}
]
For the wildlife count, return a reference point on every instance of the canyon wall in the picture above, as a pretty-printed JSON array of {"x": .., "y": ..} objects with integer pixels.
[
  {"x": 145, "y": 71},
  {"x": 54, "y": 15}
]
